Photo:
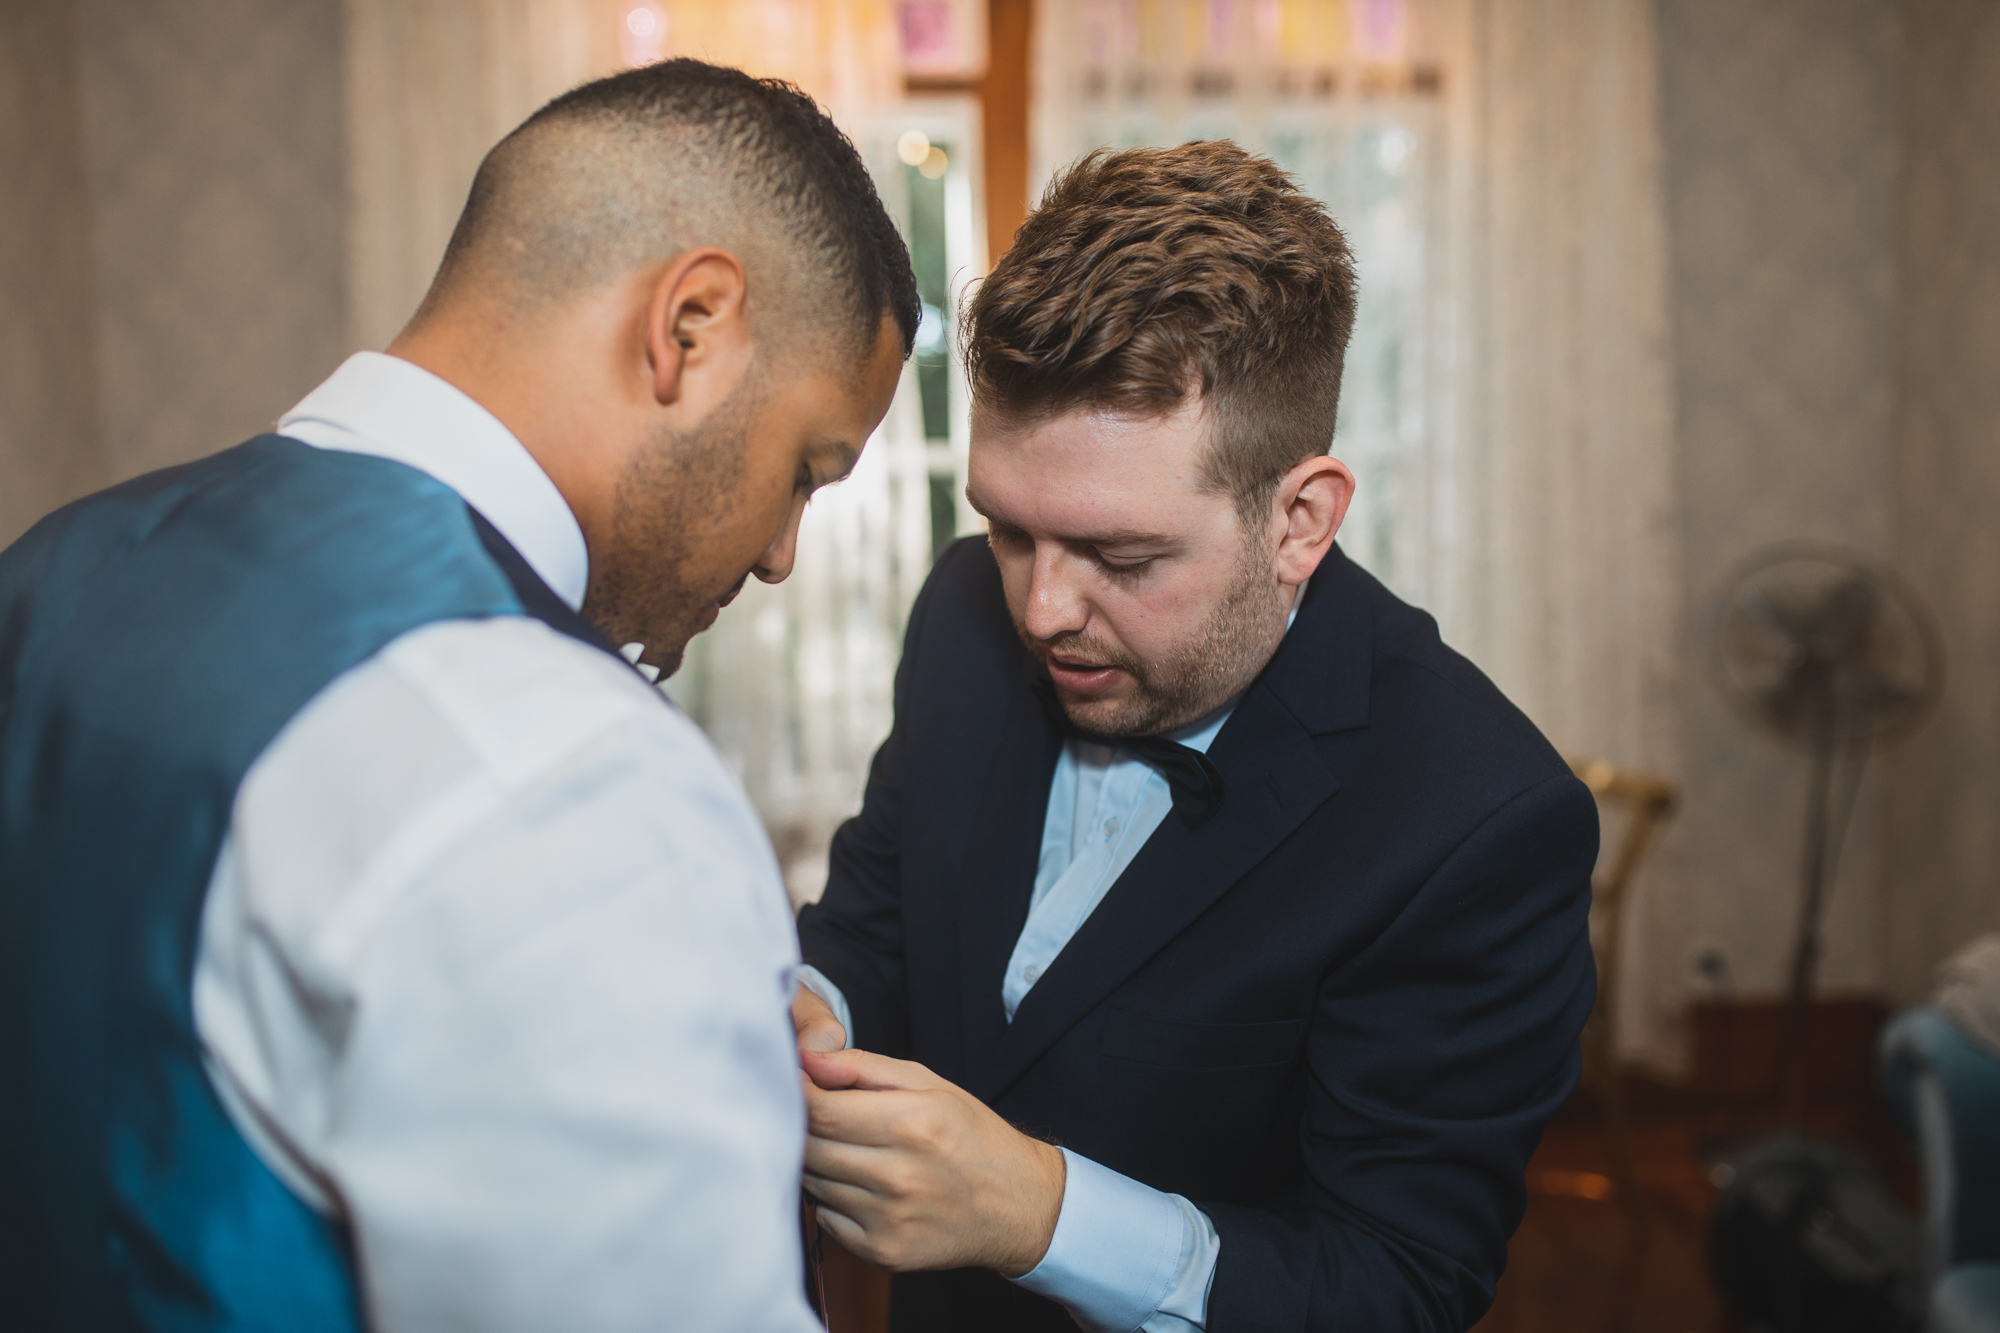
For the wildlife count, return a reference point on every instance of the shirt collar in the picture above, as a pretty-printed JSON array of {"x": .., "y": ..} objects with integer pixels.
[{"x": 385, "y": 406}]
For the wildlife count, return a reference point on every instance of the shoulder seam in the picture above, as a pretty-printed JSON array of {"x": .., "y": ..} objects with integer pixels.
[{"x": 1514, "y": 718}]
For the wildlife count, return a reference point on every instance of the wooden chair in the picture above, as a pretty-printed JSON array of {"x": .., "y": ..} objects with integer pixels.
[{"x": 1647, "y": 802}]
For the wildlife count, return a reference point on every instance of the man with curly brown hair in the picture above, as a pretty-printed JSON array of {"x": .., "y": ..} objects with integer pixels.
[{"x": 1193, "y": 850}]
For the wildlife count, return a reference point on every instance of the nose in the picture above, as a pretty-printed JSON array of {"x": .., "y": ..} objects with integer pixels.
[
  {"x": 1056, "y": 604},
  {"x": 775, "y": 565}
]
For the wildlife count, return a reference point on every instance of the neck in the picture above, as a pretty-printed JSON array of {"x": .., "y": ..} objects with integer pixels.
[{"x": 532, "y": 390}]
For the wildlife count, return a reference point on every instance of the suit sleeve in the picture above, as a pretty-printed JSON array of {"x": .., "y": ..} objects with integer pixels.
[
  {"x": 1436, "y": 1058},
  {"x": 854, "y": 934}
]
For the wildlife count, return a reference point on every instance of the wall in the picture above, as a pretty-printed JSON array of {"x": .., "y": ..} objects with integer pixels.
[
  {"x": 48, "y": 442},
  {"x": 213, "y": 152},
  {"x": 1782, "y": 143},
  {"x": 1942, "y": 881},
  {"x": 431, "y": 85}
]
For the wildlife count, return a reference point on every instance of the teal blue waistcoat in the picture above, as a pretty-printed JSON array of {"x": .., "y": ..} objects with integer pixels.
[{"x": 153, "y": 639}]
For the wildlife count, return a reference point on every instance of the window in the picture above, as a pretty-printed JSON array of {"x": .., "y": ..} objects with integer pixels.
[{"x": 793, "y": 683}]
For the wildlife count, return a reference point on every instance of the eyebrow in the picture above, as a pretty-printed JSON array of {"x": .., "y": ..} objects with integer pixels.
[
  {"x": 1121, "y": 538},
  {"x": 849, "y": 456},
  {"x": 1118, "y": 537}
]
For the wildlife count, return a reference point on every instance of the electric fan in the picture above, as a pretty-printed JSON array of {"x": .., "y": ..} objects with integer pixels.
[{"x": 1831, "y": 653}]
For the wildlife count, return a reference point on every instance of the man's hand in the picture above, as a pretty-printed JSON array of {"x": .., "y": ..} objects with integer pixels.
[
  {"x": 812, "y": 1019},
  {"x": 912, "y": 1172}
]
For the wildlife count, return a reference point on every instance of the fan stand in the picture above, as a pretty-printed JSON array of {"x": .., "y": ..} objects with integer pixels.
[
  {"x": 1823, "y": 647},
  {"x": 1825, "y": 830}
]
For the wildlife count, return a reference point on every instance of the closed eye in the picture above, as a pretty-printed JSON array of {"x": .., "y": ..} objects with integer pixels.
[
  {"x": 809, "y": 487},
  {"x": 1124, "y": 565},
  {"x": 838, "y": 460}
]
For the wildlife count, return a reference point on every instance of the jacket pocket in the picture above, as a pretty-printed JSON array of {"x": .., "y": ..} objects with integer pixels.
[{"x": 1129, "y": 1035}]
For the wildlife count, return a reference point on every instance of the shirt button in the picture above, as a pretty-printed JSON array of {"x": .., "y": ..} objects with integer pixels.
[
  {"x": 1110, "y": 828},
  {"x": 1031, "y": 974}
]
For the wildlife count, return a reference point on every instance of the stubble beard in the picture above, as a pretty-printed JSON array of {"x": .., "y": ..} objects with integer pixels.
[
  {"x": 648, "y": 587},
  {"x": 1233, "y": 645}
]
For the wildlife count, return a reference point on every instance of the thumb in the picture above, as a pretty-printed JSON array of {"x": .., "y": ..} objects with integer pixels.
[{"x": 822, "y": 1036}]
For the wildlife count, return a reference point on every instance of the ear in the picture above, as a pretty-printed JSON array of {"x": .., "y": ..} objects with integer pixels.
[
  {"x": 1307, "y": 512},
  {"x": 697, "y": 327}
]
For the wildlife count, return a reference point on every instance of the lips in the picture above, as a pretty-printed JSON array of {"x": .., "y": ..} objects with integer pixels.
[{"x": 1081, "y": 677}]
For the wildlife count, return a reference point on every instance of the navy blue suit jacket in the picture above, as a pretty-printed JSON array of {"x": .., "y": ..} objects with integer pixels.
[{"x": 1337, "y": 1016}]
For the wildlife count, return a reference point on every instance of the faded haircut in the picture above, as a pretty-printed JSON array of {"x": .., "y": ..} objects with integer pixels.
[
  {"x": 638, "y": 167},
  {"x": 1148, "y": 276}
]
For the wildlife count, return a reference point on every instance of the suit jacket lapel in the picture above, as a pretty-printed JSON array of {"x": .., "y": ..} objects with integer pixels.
[
  {"x": 1273, "y": 778},
  {"x": 998, "y": 875}
]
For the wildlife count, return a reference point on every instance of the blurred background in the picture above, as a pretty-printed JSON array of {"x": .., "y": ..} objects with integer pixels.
[{"x": 1647, "y": 286}]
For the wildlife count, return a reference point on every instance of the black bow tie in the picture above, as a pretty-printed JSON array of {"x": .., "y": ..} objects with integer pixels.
[{"x": 1192, "y": 777}]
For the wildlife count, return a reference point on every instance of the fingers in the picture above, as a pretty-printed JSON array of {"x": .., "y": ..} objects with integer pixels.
[
  {"x": 822, "y": 1037},
  {"x": 862, "y": 1226},
  {"x": 814, "y": 1023},
  {"x": 850, "y": 1199},
  {"x": 827, "y": 1070},
  {"x": 866, "y": 1071},
  {"x": 874, "y": 1120},
  {"x": 806, "y": 1004},
  {"x": 878, "y": 1170},
  {"x": 848, "y": 1234}
]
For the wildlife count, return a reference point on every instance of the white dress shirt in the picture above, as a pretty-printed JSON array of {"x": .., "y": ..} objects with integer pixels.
[
  {"x": 1124, "y": 1255},
  {"x": 496, "y": 960}
]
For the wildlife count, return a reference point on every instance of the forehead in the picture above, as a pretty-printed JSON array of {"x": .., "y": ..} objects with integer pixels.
[{"x": 1089, "y": 471}]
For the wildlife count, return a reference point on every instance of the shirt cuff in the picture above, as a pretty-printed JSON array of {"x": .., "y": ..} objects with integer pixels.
[
  {"x": 816, "y": 981},
  {"x": 1125, "y": 1256}
]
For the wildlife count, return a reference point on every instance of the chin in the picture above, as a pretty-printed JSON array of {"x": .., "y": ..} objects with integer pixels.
[
  {"x": 667, "y": 649},
  {"x": 1124, "y": 715},
  {"x": 667, "y": 645}
]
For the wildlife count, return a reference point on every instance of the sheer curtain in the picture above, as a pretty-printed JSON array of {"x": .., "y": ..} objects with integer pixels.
[
  {"x": 1506, "y": 403},
  {"x": 1565, "y": 581}
]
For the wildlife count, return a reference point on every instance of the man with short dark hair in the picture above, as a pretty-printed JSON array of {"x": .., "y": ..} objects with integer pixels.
[
  {"x": 377, "y": 948},
  {"x": 1213, "y": 937}
]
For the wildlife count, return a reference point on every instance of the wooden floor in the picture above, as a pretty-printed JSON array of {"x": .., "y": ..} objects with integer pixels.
[{"x": 1569, "y": 1267}]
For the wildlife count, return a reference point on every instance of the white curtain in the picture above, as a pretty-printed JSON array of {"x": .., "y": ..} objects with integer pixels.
[
  {"x": 1564, "y": 580},
  {"x": 1506, "y": 404}
]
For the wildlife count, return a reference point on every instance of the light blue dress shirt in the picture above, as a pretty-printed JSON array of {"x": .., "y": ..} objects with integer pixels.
[{"x": 1124, "y": 1256}]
